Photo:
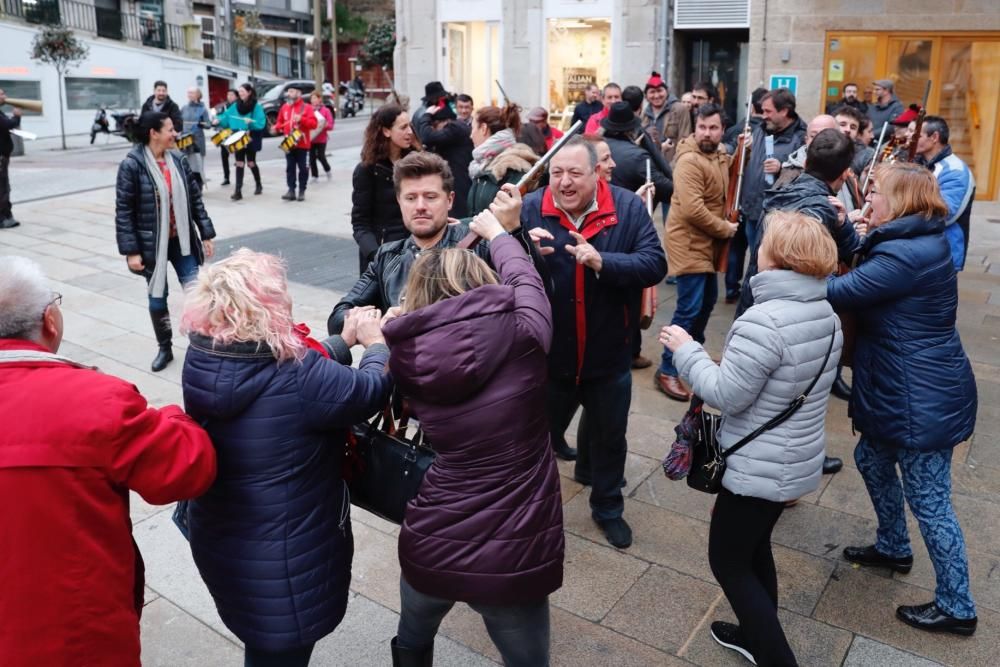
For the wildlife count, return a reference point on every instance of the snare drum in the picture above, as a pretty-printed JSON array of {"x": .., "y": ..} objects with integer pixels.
[
  {"x": 186, "y": 143},
  {"x": 221, "y": 136},
  {"x": 291, "y": 141},
  {"x": 238, "y": 141}
]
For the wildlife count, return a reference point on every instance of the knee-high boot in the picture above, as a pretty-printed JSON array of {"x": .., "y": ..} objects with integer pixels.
[
  {"x": 238, "y": 193},
  {"x": 256, "y": 177},
  {"x": 408, "y": 657},
  {"x": 164, "y": 337}
]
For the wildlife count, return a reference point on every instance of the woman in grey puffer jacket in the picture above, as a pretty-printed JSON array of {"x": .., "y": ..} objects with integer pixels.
[{"x": 773, "y": 353}]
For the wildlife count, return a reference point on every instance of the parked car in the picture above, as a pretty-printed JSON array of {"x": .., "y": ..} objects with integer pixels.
[{"x": 274, "y": 96}]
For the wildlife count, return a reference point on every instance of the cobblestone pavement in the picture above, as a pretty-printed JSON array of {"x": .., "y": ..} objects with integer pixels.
[{"x": 649, "y": 605}]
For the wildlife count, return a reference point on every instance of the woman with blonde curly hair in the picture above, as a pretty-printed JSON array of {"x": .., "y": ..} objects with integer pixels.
[{"x": 272, "y": 537}]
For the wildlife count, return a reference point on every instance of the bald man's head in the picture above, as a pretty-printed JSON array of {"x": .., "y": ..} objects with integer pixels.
[{"x": 818, "y": 124}]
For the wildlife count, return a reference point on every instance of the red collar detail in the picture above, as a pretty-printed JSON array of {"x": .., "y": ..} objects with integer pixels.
[{"x": 605, "y": 213}]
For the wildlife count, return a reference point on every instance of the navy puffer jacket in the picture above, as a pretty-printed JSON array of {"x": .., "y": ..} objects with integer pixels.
[
  {"x": 913, "y": 384},
  {"x": 272, "y": 537}
]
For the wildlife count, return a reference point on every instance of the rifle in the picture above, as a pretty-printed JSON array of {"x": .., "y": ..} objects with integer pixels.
[
  {"x": 503, "y": 92},
  {"x": 471, "y": 239},
  {"x": 911, "y": 150},
  {"x": 735, "y": 189},
  {"x": 647, "y": 305}
]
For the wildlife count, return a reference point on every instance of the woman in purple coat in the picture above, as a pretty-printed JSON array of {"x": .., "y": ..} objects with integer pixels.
[{"x": 469, "y": 354}]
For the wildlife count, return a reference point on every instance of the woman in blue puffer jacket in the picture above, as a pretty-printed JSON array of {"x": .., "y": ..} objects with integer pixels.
[
  {"x": 272, "y": 536},
  {"x": 914, "y": 394}
]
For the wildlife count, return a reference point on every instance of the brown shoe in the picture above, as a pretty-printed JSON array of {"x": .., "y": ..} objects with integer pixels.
[
  {"x": 671, "y": 386},
  {"x": 639, "y": 362}
]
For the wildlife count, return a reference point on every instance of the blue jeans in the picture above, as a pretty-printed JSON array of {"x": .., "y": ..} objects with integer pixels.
[
  {"x": 297, "y": 159},
  {"x": 696, "y": 297},
  {"x": 520, "y": 632},
  {"x": 606, "y": 402},
  {"x": 927, "y": 489},
  {"x": 186, "y": 267}
]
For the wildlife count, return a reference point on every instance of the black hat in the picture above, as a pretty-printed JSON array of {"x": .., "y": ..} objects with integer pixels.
[
  {"x": 432, "y": 91},
  {"x": 620, "y": 119}
]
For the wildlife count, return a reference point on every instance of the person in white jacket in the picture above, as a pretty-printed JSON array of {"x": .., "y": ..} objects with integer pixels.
[{"x": 773, "y": 353}]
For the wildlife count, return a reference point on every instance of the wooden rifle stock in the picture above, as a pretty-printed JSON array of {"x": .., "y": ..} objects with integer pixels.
[
  {"x": 735, "y": 189},
  {"x": 471, "y": 239},
  {"x": 911, "y": 150}
]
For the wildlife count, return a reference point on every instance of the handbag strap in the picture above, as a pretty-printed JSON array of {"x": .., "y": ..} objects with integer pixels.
[{"x": 792, "y": 408}]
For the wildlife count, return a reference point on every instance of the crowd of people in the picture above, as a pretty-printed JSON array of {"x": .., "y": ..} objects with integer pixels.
[{"x": 493, "y": 350}]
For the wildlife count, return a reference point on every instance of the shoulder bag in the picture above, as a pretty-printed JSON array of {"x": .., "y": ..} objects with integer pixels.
[
  {"x": 708, "y": 460},
  {"x": 388, "y": 467}
]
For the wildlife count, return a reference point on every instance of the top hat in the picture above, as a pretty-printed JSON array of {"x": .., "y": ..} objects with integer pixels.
[{"x": 620, "y": 119}]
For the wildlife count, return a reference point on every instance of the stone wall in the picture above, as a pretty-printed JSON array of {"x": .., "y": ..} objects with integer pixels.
[{"x": 801, "y": 26}]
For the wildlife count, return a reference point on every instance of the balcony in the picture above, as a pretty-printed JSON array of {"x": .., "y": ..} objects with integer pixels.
[{"x": 149, "y": 31}]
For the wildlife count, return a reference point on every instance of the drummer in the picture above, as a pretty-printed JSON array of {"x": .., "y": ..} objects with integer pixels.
[
  {"x": 246, "y": 115},
  {"x": 196, "y": 117}
]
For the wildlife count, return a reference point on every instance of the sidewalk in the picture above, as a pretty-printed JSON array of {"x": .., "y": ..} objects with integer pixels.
[{"x": 649, "y": 605}]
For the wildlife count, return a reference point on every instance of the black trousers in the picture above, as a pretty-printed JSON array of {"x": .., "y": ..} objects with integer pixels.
[
  {"x": 739, "y": 551},
  {"x": 317, "y": 152},
  {"x": 606, "y": 402},
  {"x": 297, "y": 162},
  {"x": 5, "y": 208},
  {"x": 224, "y": 152}
]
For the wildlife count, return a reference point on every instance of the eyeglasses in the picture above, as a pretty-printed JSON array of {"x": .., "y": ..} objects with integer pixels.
[{"x": 56, "y": 299}]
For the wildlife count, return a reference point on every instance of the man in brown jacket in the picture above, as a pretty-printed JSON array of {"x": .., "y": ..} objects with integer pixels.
[{"x": 696, "y": 234}]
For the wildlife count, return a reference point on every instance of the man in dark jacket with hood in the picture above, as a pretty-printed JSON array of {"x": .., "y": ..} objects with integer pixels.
[
  {"x": 773, "y": 141},
  {"x": 441, "y": 132},
  {"x": 621, "y": 130},
  {"x": 160, "y": 101},
  {"x": 603, "y": 250},
  {"x": 7, "y": 220},
  {"x": 827, "y": 168}
]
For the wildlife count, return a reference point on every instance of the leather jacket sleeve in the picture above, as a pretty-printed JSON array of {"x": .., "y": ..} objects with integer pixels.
[{"x": 366, "y": 292}]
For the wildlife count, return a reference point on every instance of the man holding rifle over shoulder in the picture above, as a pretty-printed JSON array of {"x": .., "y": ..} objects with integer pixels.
[{"x": 697, "y": 230}]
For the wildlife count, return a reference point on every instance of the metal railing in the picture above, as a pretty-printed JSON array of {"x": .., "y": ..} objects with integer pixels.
[{"x": 148, "y": 31}]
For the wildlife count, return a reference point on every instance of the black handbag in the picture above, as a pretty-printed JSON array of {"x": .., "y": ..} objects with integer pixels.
[
  {"x": 389, "y": 466},
  {"x": 708, "y": 461}
]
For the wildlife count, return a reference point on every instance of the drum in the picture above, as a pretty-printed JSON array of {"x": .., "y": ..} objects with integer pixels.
[
  {"x": 186, "y": 143},
  {"x": 221, "y": 136},
  {"x": 291, "y": 141},
  {"x": 238, "y": 141}
]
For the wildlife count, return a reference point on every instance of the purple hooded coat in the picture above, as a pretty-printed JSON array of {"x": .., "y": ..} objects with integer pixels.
[{"x": 487, "y": 524}]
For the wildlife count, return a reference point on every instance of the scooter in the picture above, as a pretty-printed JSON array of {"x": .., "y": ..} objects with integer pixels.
[{"x": 354, "y": 99}]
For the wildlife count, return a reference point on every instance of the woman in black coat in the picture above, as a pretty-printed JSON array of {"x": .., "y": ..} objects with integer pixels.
[
  {"x": 440, "y": 131},
  {"x": 375, "y": 214},
  {"x": 272, "y": 537},
  {"x": 151, "y": 235}
]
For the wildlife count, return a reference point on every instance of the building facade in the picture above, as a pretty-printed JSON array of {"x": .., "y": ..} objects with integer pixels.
[
  {"x": 131, "y": 45},
  {"x": 542, "y": 52}
]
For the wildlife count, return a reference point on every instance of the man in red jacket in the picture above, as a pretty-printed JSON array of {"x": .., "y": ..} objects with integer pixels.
[
  {"x": 74, "y": 442},
  {"x": 296, "y": 114}
]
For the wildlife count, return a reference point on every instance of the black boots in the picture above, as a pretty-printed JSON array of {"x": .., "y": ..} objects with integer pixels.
[
  {"x": 302, "y": 195},
  {"x": 238, "y": 194},
  {"x": 161, "y": 327},
  {"x": 289, "y": 196},
  {"x": 408, "y": 657},
  {"x": 255, "y": 170}
]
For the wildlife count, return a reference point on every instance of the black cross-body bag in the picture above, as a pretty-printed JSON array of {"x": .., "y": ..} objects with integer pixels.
[{"x": 708, "y": 461}]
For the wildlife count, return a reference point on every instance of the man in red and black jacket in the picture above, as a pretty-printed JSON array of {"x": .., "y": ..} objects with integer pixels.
[
  {"x": 296, "y": 114},
  {"x": 601, "y": 250}
]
